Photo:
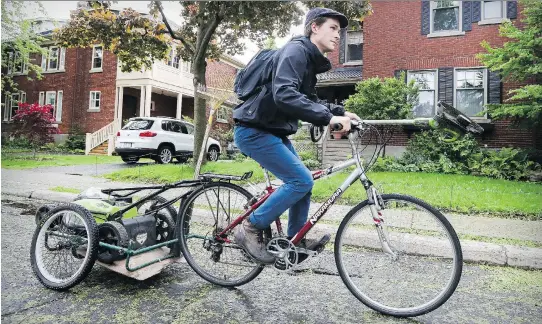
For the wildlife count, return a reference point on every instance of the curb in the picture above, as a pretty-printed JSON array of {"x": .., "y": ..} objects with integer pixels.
[
  {"x": 42, "y": 195},
  {"x": 473, "y": 251}
]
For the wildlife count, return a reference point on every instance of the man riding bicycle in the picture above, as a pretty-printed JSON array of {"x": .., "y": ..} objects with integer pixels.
[{"x": 263, "y": 124}]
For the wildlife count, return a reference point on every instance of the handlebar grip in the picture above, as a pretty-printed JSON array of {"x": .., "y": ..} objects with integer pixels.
[{"x": 336, "y": 127}]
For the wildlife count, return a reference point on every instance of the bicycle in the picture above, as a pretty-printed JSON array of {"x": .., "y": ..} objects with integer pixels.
[{"x": 410, "y": 235}]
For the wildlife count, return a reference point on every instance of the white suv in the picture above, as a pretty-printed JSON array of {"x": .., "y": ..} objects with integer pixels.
[{"x": 161, "y": 139}]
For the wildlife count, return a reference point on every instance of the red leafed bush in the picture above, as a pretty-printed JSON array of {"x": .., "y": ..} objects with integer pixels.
[{"x": 35, "y": 123}]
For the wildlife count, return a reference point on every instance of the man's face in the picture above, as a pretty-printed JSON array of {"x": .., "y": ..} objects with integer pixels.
[{"x": 326, "y": 37}]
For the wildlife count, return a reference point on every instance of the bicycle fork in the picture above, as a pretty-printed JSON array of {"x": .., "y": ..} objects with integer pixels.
[{"x": 376, "y": 206}]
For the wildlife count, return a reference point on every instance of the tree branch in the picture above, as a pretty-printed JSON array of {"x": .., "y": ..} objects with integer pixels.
[
  {"x": 172, "y": 33},
  {"x": 206, "y": 38}
]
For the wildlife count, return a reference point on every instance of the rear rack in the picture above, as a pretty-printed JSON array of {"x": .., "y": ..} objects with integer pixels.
[{"x": 209, "y": 176}]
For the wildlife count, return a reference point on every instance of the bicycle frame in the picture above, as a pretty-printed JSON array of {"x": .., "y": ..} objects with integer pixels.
[{"x": 358, "y": 173}]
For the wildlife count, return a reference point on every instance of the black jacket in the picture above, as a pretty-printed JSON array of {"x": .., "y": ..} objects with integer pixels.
[{"x": 291, "y": 96}]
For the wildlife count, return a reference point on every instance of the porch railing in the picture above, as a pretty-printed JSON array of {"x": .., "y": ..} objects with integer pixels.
[{"x": 103, "y": 134}]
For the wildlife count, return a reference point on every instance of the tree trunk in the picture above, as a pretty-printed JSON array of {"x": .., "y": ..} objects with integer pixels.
[{"x": 200, "y": 109}]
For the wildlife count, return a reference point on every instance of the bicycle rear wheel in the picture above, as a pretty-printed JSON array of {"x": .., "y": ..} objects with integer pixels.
[
  {"x": 208, "y": 211},
  {"x": 64, "y": 246},
  {"x": 422, "y": 271}
]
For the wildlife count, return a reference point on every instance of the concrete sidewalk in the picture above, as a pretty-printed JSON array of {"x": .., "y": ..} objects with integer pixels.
[{"x": 484, "y": 239}]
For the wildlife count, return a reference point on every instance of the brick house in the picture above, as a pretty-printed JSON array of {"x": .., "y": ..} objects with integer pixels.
[
  {"x": 89, "y": 91},
  {"x": 435, "y": 43}
]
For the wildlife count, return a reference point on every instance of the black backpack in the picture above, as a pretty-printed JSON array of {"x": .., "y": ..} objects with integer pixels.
[{"x": 257, "y": 73}]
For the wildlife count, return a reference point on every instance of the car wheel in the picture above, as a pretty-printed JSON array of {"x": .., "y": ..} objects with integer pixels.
[
  {"x": 213, "y": 153},
  {"x": 165, "y": 155},
  {"x": 130, "y": 159}
]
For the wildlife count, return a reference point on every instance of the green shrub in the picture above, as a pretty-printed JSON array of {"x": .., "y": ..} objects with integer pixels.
[
  {"x": 426, "y": 152},
  {"x": 307, "y": 155},
  {"x": 75, "y": 142},
  {"x": 312, "y": 164},
  {"x": 17, "y": 143},
  {"x": 507, "y": 163},
  {"x": 239, "y": 157},
  {"x": 390, "y": 98}
]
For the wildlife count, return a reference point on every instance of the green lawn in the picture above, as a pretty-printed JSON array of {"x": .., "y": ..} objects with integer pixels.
[
  {"x": 165, "y": 173},
  {"x": 26, "y": 161},
  {"x": 465, "y": 194},
  {"x": 65, "y": 189}
]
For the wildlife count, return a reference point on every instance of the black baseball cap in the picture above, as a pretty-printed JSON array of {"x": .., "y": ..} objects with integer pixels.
[{"x": 325, "y": 12}]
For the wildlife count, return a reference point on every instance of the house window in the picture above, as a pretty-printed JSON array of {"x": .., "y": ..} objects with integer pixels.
[
  {"x": 493, "y": 10},
  {"x": 41, "y": 100},
  {"x": 54, "y": 60},
  {"x": 176, "y": 60},
  {"x": 97, "y": 57},
  {"x": 354, "y": 46},
  {"x": 173, "y": 59},
  {"x": 189, "y": 129},
  {"x": 50, "y": 99},
  {"x": 58, "y": 111},
  {"x": 186, "y": 66},
  {"x": 16, "y": 63},
  {"x": 95, "y": 97},
  {"x": 426, "y": 82},
  {"x": 12, "y": 104},
  {"x": 469, "y": 91},
  {"x": 445, "y": 16}
]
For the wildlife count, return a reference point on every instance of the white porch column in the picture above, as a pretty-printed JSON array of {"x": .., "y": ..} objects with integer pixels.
[
  {"x": 148, "y": 94},
  {"x": 119, "y": 102},
  {"x": 179, "y": 105},
  {"x": 142, "y": 102}
]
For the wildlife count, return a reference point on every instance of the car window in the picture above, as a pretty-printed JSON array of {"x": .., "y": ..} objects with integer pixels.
[
  {"x": 176, "y": 127},
  {"x": 166, "y": 125},
  {"x": 138, "y": 125},
  {"x": 183, "y": 128},
  {"x": 190, "y": 129}
]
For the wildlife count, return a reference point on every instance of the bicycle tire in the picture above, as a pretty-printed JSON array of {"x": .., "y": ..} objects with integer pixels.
[
  {"x": 452, "y": 259},
  {"x": 185, "y": 225},
  {"x": 59, "y": 221},
  {"x": 161, "y": 200}
]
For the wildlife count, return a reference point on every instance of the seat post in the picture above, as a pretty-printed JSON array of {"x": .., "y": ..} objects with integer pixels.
[{"x": 267, "y": 180}]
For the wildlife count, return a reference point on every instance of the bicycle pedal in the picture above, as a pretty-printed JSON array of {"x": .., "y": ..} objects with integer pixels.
[{"x": 321, "y": 244}]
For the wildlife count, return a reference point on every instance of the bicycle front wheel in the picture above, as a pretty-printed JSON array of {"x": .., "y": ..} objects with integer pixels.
[
  {"x": 409, "y": 268},
  {"x": 208, "y": 211}
]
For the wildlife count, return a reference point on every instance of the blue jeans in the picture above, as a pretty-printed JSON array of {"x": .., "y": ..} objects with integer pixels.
[{"x": 279, "y": 157}]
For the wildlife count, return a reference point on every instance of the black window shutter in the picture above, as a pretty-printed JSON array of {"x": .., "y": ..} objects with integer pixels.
[
  {"x": 446, "y": 85},
  {"x": 342, "y": 46},
  {"x": 494, "y": 88},
  {"x": 511, "y": 9},
  {"x": 426, "y": 18},
  {"x": 476, "y": 9},
  {"x": 397, "y": 74},
  {"x": 467, "y": 15}
]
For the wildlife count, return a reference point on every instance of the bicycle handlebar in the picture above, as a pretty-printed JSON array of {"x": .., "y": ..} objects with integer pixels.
[{"x": 453, "y": 123}]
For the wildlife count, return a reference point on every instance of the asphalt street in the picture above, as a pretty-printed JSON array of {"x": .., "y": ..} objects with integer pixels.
[{"x": 315, "y": 294}]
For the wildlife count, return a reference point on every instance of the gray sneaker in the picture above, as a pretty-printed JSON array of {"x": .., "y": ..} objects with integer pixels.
[{"x": 249, "y": 238}]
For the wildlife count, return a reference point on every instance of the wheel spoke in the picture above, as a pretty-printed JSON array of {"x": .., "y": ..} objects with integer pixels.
[
  {"x": 209, "y": 211},
  {"x": 423, "y": 268}
]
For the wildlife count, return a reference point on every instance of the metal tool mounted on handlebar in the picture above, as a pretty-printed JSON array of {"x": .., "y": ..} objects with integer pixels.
[{"x": 451, "y": 121}]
